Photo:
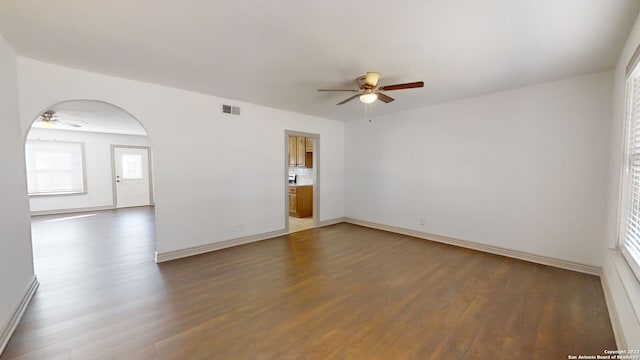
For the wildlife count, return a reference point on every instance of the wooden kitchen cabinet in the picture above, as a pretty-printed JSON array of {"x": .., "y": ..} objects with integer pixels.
[
  {"x": 301, "y": 201},
  {"x": 293, "y": 203},
  {"x": 309, "y": 144},
  {"x": 300, "y": 151},
  {"x": 293, "y": 151}
]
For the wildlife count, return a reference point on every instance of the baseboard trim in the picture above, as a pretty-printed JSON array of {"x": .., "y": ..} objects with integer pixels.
[
  {"x": 331, "y": 221},
  {"x": 71, "y": 211},
  {"x": 197, "y": 250},
  {"x": 544, "y": 260},
  {"x": 18, "y": 311},
  {"x": 569, "y": 265}
]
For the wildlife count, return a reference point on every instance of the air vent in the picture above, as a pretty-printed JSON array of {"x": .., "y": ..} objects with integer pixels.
[{"x": 228, "y": 109}]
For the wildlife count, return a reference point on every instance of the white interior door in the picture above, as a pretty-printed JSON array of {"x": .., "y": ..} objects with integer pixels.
[{"x": 132, "y": 185}]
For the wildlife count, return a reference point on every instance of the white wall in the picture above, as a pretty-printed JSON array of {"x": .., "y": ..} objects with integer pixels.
[
  {"x": 621, "y": 285},
  {"x": 522, "y": 169},
  {"x": 16, "y": 264},
  {"x": 201, "y": 156},
  {"x": 97, "y": 151}
]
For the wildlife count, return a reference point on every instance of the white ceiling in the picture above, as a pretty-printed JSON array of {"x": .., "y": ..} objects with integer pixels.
[{"x": 277, "y": 53}]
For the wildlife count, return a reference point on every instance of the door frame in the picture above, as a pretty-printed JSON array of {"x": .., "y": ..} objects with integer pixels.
[
  {"x": 316, "y": 175},
  {"x": 113, "y": 172}
]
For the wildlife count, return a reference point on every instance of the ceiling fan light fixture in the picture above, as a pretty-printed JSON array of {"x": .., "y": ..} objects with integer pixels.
[
  {"x": 368, "y": 98},
  {"x": 368, "y": 90}
]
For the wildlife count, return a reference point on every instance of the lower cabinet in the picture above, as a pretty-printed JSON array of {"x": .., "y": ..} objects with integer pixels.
[{"x": 301, "y": 201}]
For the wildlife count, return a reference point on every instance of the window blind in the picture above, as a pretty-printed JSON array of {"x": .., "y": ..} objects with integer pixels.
[
  {"x": 631, "y": 241},
  {"x": 54, "y": 167}
]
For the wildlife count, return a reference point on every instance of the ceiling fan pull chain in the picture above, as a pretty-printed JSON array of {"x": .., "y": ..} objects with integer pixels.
[{"x": 366, "y": 114}]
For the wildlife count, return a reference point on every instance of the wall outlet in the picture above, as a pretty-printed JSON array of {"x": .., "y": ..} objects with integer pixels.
[{"x": 423, "y": 221}]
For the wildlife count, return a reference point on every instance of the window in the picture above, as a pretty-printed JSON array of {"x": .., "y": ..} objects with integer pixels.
[
  {"x": 131, "y": 166},
  {"x": 630, "y": 201},
  {"x": 54, "y": 167}
]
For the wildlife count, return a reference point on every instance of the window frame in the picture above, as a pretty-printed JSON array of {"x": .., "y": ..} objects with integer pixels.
[
  {"x": 83, "y": 170},
  {"x": 631, "y": 127}
]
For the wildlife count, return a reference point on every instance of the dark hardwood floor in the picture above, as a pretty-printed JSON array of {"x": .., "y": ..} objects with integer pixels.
[{"x": 338, "y": 292}]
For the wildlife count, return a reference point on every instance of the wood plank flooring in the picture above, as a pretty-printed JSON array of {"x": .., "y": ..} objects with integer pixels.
[{"x": 338, "y": 292}]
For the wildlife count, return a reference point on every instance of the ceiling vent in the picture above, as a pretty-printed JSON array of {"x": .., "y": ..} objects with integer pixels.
[{"x": 228, "y": 109}]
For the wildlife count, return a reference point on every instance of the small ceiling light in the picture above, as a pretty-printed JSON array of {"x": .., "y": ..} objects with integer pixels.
[{"x": 368, "y": 98}]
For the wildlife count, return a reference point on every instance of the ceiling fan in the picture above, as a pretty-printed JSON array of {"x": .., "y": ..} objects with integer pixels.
[
  {"x": 367, "y": 91},
  {"x": 50, "y": 118}
]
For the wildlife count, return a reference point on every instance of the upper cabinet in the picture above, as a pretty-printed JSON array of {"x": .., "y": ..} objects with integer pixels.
[
  {"x": 300, "y": 151},
  {"x": 309, "y": 144},
  {"x": 293, "y": 152}
]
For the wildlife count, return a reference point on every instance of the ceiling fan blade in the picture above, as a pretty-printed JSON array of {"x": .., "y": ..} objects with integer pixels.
[
  {"x": 350, "y": 90},
  {"x": 347, "y": 100},
  {"x": 385, "y": 98},
  {"x": 371, "y": 79},
  {"x": 70, "y": 124},
  {"x": 417, "y": 84}
]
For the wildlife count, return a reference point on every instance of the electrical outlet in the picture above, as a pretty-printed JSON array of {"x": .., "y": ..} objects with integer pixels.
[{"x": 423, "y": 221}]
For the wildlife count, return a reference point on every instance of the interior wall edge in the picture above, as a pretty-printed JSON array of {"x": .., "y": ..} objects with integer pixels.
[{"x": 19, "y": 309}]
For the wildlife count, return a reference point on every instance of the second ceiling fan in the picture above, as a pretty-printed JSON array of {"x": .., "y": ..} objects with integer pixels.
[
  {"x": 49, "y": 119},
  {"x": 368, "y": 91}
]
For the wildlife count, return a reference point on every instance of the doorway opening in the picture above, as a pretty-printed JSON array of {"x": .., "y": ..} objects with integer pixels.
[
  {"x": 301, "y": 180},
  {"x": 68, "y": 150}
]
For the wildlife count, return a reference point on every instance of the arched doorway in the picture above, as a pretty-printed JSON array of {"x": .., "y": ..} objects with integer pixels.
[
  {"x": 92, "y": 140},
  {"x": 78, "y": 155}
]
